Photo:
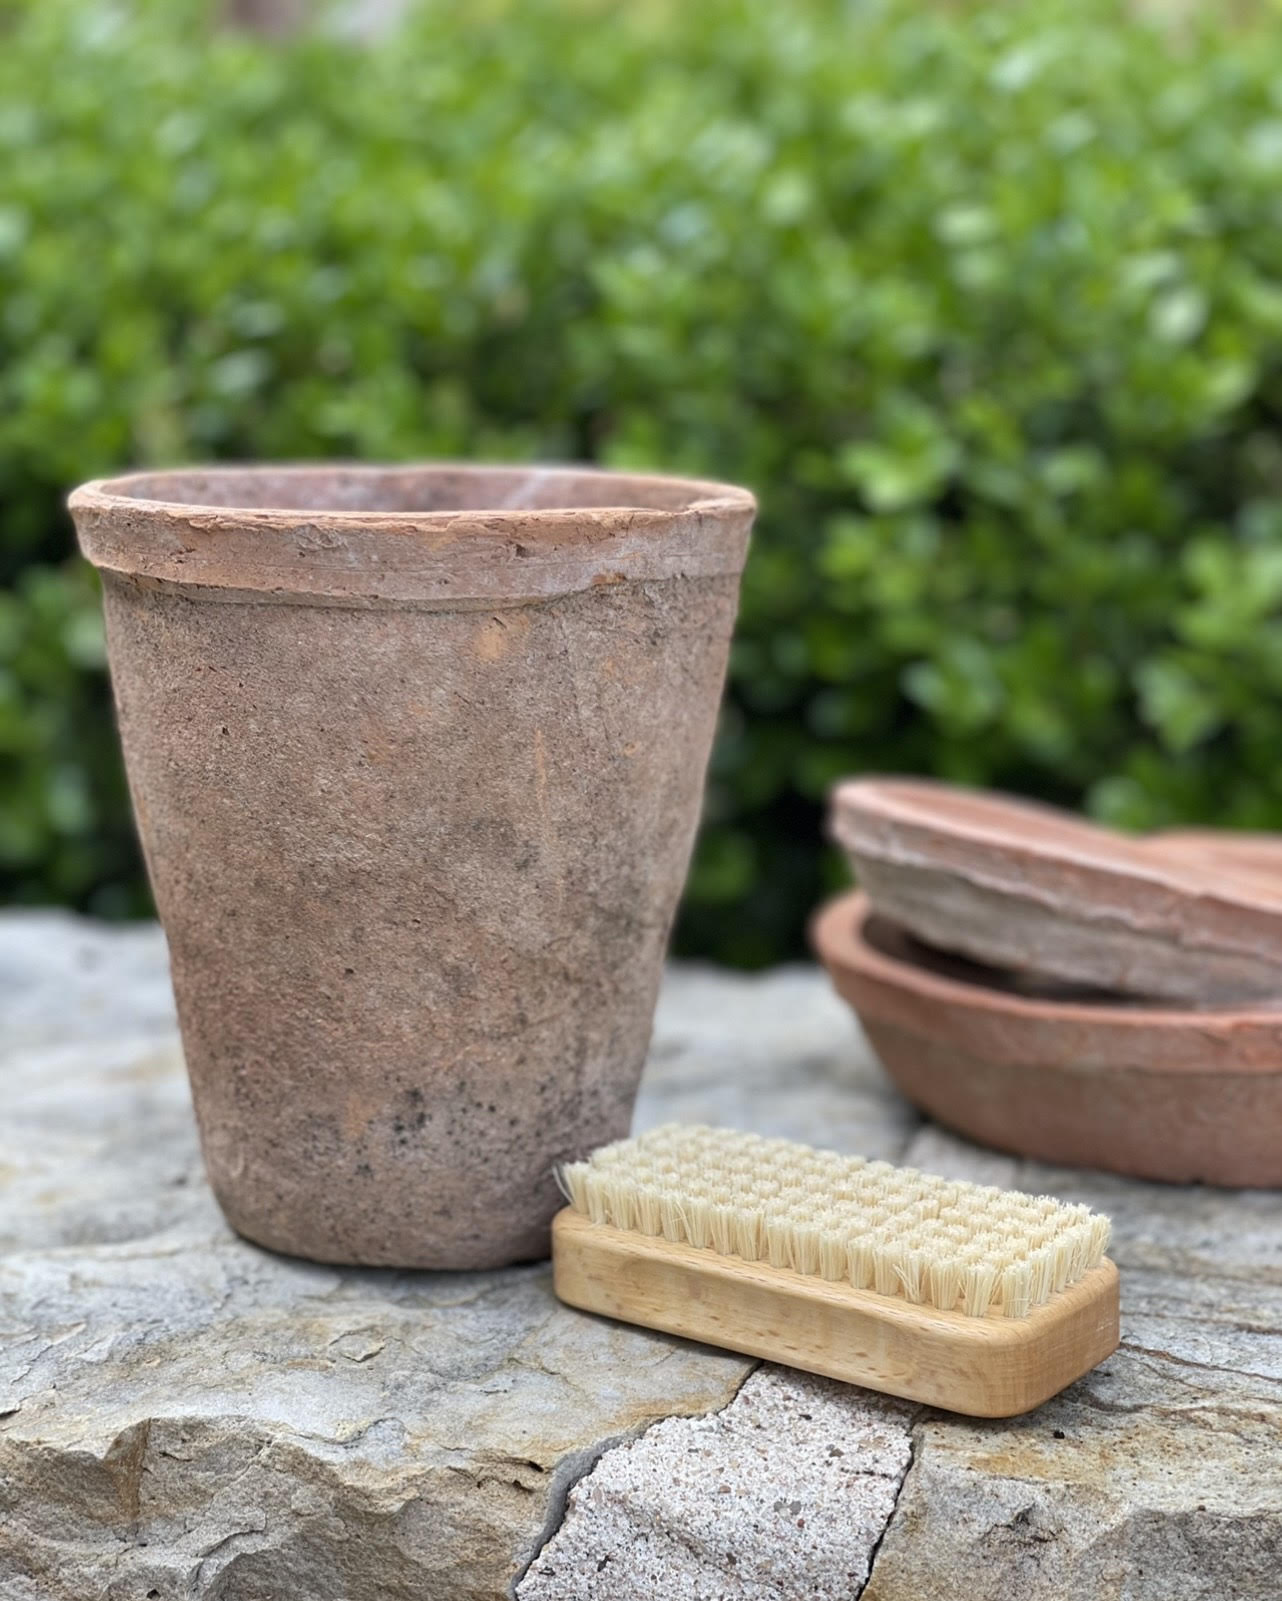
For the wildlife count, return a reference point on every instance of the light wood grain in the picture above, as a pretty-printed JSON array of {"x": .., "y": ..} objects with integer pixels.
[{"x": 984, "y": 1367}]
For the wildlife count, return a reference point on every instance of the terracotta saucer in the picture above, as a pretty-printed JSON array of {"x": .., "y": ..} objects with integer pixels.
[
  {"x": 1058, "y": 1073},
  {"x": 1023, "y": 886},
  {"x": 1257, "y": 854}
]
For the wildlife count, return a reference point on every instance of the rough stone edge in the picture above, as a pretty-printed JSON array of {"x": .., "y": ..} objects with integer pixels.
[{"x": 577, "y": 1465}]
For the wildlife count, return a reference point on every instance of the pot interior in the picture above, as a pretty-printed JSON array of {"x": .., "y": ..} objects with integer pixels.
[{"x": 420, "y": 489}]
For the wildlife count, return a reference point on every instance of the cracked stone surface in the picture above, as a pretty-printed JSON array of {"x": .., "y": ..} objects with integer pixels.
[{"x": 185, "y": 1416}]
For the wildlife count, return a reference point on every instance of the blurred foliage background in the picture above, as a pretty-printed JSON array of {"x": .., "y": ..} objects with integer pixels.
[{"x": 984, "y": 301}]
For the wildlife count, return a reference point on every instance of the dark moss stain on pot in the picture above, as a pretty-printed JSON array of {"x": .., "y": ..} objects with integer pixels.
[{"x": 416, "y": 1117}]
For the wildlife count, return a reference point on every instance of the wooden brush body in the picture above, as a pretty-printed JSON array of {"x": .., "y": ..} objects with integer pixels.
[
  {"x": 984, "y": 1367},
  {"x": 964, "y": 1296}
]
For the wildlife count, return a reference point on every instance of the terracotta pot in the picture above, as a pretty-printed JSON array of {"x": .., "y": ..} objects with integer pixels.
[
  {"x": 1158, "y": 1094},
  {"x": 417, "y": 756},
  {"x": 1019, "y": 885}
]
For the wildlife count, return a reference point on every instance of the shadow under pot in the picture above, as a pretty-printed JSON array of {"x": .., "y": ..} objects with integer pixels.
[{"x": 416, "y": 756}]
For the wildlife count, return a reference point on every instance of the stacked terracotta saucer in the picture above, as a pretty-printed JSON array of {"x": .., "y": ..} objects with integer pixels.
[{"x": 1058, "y": 990}]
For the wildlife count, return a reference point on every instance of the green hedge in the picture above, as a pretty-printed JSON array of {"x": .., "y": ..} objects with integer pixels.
[{"x": 986, "y": 304}]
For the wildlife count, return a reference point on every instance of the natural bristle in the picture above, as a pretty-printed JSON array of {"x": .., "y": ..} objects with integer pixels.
[{"x": 939, "y": 1242}]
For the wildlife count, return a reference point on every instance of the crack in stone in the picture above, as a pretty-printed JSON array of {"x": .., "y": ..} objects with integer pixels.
[
  {"x": 681, "y": 1537},
  {"x": 347, "y": 1440},
  {"x": 578, "y": 1464},
  {"x": 236, "y": 1534},
  {"x": 1188, "y": 1362},
  {"x": 894, "y": 1507}
]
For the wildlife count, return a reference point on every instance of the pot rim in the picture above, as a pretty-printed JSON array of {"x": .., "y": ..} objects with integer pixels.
[
  {"x": 200, "y": 529},
  {"x": 837, "y": 934},
  {"x": 124, "y": 490}
]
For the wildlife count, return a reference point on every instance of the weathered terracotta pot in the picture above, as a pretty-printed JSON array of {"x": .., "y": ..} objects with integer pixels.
[
  {"x": 1159, "y": 1094},
  {"x": 417, "y": 756},
  {"x": 1019, "y": 885}
]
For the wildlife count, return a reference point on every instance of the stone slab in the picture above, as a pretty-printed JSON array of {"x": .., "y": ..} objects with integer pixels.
[{"x": 183, "y": 1415}]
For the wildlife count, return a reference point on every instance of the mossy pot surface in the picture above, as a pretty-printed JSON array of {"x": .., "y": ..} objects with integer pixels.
[{"x": 416, "y": 755}]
